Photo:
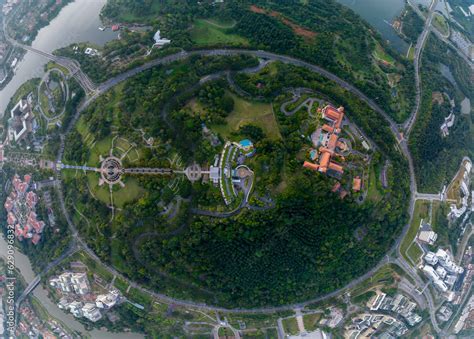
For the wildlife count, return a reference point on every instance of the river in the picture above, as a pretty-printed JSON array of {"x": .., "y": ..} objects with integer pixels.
[
  {"x": 77, "y": 22},
  {"x": 380, "y": 14}
]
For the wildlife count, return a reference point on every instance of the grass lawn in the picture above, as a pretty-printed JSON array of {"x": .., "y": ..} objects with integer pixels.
[
  {"x": 421, "y": 211},
  {"x": 373, "y": 193},
  {"x": 380, "y": 54},
  {"x": 220, "y": 23},
  {"x": 291, "y": 326},
  {"x": 414, "y": 252},
  {"x": 130, "y": 192},
  {"x": 383, "y": 275},
  {"x": 121, "y": 285},
  {"x": 94, "y": 266},
  {"x": 225, "y": 331},
  {"x": 208, "y": 32},
  {"x": 272, "y": 333},
  {"x": 100, "y": 192},
  {"x": 439, "y": 21},
  {"x": 311, "y": 321},
  {"x": 51, "y": 65},
  {"x": 247, "y": 112},
  {"x": 411, "y": 53}
]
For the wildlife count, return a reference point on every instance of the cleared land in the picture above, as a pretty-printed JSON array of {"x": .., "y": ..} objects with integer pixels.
[{"x": 247, "y": 112}]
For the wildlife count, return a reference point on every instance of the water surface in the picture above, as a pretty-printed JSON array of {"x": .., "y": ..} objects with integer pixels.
[
  {"x": 380, "y": 14},
  {"x": 77, "y": 22}
]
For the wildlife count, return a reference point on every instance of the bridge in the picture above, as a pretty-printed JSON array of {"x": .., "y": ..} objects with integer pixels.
[
  {"x": 72, "y": 66},
  {"x": 430, "y": 197},
  {"x": 81, "y": 168},
  {"x": 35, "y": 282}
]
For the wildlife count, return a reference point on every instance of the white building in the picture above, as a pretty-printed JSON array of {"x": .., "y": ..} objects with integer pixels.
[
  {"x": 446, "y": 261},
  {"x": 107, "y": 301},
  {"x": 91, "y": 312},
  {"x": 215, "y": 174},
  {"x": 431, "y": 258},
  {"x": 63, "y": 282},
  {"x": 69, "y": 282},
  {"x": 428, "y": 237},
  {"x": 20, "y": 122},
  {"x": 80, "y": 283},
  {"x": 76, "y": 309},
  {"x": 159, "y": 41},
  {"x": 63, "y": 303},
  {"x": 441, "y": 272}
]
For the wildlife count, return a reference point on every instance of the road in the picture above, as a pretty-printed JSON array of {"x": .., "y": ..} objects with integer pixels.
[
  {"x": 443, "y": 38},
  {"x": 408, "y": 125},
  {"x": 268, "y": 56},
  {"x": 95, "y": 91}
]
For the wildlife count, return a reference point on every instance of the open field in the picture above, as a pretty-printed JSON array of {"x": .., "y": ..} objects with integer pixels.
[
  {"x": 291, "y": 326},
  {"x": 439, "y": 21},
  {"x": 311, "y": 321},
  {"x": 247, "y": 112},
  {"x": 209, "y": 32},
  {"x": 373, "y": 193},
  {"x": 384, "y": 276},
  {"x": 421, "y": 211},
  {"x": 130, "y": 192},
  {"x": 100, "y": 192},
  {"x": 380, "y": 55},
  {"x": 414, "y": 252}
]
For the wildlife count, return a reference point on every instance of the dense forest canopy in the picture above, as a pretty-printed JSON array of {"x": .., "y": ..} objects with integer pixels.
[
  {"x": 306, "y": 245},
  {"x": 322, "y": 32}
]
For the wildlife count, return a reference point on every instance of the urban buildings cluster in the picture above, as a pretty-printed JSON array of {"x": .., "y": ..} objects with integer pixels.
[
  {"x": 31, "y": 326},
  {"x": 328, "y": 145},
  {"x": 466, "y": 320},
  {"x": 21, "y": 210},
  {"x": 399, "y": 304},
  {"x": 8, "y": 6},
  {"x": 388, "y": 317},
  {"x": 465, "y": 286},
  {"x": 442, "y": 270},
  {"x": 78, "y": 298}
]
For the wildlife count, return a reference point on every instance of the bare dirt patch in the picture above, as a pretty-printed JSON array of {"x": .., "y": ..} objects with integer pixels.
[{"x": 305, "y": 33}]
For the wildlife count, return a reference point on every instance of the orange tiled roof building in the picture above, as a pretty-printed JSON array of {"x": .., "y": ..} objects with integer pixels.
[{"x": 329, "y": 141}]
